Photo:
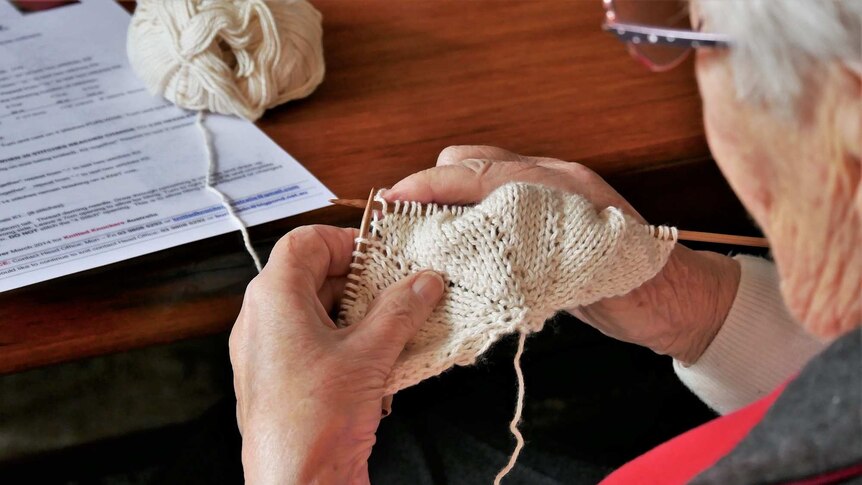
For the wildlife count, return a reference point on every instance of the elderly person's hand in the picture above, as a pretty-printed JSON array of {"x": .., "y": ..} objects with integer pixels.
[
  {"x": 309, "y": 394},
  {"x": 676, "y": 313}
]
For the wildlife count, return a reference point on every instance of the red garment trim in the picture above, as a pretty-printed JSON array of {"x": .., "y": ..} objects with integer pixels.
[
  {"x": 681, "y": 459},
  {"x": 831, "y": 477}
]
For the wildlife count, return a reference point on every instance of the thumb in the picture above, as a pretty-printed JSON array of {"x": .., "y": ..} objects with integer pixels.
[{"x": 397, "y": 314}]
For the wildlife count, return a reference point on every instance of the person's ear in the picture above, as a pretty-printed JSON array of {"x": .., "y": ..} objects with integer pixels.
[
  {"x": 849, "y": 115},
  {"x": 849, "y": 122}
]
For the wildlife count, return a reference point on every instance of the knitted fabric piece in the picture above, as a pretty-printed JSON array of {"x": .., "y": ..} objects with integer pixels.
[{"x": 510, "y": 263}]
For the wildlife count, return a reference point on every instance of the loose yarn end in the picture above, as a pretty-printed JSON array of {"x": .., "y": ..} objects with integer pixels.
[
  {"x": 225, "y": 201},
  {"x": 519, "y": 408}
]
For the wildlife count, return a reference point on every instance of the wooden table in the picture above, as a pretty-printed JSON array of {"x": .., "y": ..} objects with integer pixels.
[{"x": 404, "y": 80}]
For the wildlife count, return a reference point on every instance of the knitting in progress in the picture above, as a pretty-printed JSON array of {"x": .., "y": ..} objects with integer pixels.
[
  {"x": 510, "y": 262},
  {"x": 236, "y": 57}
]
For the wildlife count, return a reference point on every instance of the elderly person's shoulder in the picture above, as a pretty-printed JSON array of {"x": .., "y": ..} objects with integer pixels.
[{"x": 819, "y": 410}]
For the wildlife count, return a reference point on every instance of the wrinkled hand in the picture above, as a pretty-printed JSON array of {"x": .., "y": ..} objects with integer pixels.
[
  {"x": 676, "y": 313},
  {"x": 309, "y": 394}
]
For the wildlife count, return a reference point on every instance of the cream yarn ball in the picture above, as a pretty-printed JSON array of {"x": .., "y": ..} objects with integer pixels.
[{"x": 237, "y": 57}]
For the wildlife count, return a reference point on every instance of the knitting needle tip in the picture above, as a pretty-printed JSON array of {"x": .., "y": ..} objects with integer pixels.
[
  {"x": 356, "y": 203},
  {"x": 359, "y": 204},
  {"x": 365, "y": 225}
]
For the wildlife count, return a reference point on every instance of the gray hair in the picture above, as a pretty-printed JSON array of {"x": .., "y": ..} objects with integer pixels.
[{"x": 780, "y": 44}]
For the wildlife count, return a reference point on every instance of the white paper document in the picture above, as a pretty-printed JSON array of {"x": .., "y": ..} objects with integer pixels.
[{"x": 94, "y": 170}]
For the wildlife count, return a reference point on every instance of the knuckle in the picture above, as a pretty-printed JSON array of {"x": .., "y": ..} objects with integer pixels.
[
  {"x": 234, "y": 345},
  {"x": 319, "y": 235},
  {"x": 259, "y": 293},
  {"x": 295, "y": 241},
  {"x": 450, "y": 154},
  {"x": 256, "y": 288},
  {"x": 239, "y": 418},
  {"x": 579, "y": 170}
]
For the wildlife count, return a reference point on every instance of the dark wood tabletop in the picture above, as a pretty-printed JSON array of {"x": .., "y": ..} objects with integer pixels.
[{"x": 404, "y": 80}]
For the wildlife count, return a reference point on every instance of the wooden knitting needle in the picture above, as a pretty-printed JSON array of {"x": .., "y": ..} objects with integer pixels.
[
  {"x": 759, "y": 242},
  {"x": 364, "y": 228},
  {"x": 365, "y": 225},
  {"x": 356, "y": 203}
]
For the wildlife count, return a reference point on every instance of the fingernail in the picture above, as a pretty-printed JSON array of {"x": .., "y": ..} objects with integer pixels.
[
  {"x": 387, "y": 405},
  {"x": 429, "y": 287}
]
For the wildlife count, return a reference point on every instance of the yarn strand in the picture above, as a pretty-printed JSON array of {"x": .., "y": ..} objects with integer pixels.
[
  {"x": 519, "y": 407},
  {"x": 225, "y": 201}
]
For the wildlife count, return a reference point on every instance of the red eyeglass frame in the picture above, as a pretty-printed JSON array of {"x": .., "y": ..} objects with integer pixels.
[{"x": 634, "y": 35}]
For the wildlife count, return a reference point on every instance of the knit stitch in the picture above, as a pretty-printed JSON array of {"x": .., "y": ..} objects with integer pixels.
[{"x": 510, "y": 262}]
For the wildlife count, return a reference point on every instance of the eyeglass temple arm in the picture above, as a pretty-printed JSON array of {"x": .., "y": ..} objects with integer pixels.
[{"x": 639, "y": 34}]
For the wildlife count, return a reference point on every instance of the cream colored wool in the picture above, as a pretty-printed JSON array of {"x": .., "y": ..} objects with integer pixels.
[
  {"x": 236, "y": 57},
  {"x": 510, "y": 262}
]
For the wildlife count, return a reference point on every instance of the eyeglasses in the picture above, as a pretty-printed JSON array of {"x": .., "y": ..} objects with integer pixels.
[{"x": 657, "y": 32}]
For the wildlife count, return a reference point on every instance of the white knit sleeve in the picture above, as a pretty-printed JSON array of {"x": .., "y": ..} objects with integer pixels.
[{"x": 759, "y": 346}]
